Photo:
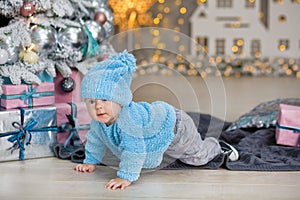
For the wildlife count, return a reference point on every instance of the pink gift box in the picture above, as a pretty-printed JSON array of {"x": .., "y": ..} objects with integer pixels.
[
  {"x": 23, "y": 95},
  {"x": 288, "y": 125},
  {"x": 65, "y": 97},
  {"x": 81, "y": 116}
]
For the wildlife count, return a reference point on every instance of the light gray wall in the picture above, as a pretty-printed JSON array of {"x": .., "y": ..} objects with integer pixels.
[{"x": 226, "y": 98}]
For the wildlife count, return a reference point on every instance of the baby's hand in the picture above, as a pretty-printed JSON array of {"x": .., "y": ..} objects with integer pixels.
[
  {"x": 85, "y": 167},
  {"x": 117, "y": 183}
]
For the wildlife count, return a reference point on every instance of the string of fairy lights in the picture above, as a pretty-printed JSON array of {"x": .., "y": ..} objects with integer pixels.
[{"x": 174, "y": 15}]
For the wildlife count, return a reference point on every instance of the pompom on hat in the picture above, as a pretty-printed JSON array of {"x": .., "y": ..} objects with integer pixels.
[{"x": 110, "y": 79}]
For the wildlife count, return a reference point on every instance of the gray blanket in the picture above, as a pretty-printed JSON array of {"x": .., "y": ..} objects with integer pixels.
[{"x": 257, "y": 148}]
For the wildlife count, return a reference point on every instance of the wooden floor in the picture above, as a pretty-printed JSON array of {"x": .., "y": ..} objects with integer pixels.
[{"x": 52, "y": 178}]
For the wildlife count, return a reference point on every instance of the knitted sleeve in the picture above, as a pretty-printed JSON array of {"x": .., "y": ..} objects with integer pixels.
[
  {"x": 132, "y": 158},
  {"x": 94, "y": 149}
]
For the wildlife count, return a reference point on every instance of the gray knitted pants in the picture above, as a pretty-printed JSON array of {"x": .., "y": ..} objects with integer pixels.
[{"x": 188, "y": 146}]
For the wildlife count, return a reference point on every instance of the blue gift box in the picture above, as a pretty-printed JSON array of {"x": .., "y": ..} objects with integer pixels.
[{"x": 27, "y": 133}]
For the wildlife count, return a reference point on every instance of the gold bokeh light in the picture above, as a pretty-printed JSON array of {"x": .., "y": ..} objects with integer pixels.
[{"x": 134, "y": 12}]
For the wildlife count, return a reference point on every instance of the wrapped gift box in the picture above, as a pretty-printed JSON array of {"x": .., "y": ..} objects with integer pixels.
[
  {"x": 288, "y": 125},
  {"x": 74, "y": 120},
  {"x": 62, "y": 96},
  {"x": 34, "y": 129},
  {"x": 23, "y": 95}
]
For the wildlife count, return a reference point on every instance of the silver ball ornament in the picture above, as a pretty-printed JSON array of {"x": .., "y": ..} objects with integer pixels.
[
  {"x": 11, "y": 50},
  {"x": 73, "y": 37},
  {"x": 3, "y": 56},
  {"x": 97, "y": 30},
  {"x": 43, "y": 38},
  {"x": 109, "y": 28}
]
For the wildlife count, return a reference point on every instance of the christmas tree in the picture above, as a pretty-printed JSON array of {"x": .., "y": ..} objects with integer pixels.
[{"x": 39, "y": 37}]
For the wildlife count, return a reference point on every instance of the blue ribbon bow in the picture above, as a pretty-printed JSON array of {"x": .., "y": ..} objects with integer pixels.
[
  {"x": 72, "y": 126},
  {"x": 28, "y": 95},
  {"x": 19, "y": 138}
]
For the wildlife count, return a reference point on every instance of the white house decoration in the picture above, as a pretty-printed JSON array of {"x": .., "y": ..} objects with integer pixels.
[{"x": 247, "y": 28}]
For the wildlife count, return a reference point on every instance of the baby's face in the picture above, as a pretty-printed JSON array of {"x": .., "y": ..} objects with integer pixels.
[{"x": 104, "y": 111}]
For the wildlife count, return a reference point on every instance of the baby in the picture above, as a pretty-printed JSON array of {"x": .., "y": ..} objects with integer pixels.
[{"x": 138, "y": 133}]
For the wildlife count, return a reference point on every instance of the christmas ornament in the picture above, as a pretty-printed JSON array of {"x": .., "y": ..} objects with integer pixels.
[
  {"x": 27, "y": 9},
  {"x": 109, "y": 18},
  {"x": 98, "y": 31},
  {"x": 68, "y": 84},
  {"x": 109, "y": 28},
  {"x": 43, "y": 38},
  {"x": 3, "y": 56},
  {"x": 107, "y": 12},
  {"x": 21, "y": 55},
  {"x": 100, "y": 18},
  {"x": 11, "y": 50},
  {"x": 73, "y": 37},
  {"x": 30, "y": 57}
]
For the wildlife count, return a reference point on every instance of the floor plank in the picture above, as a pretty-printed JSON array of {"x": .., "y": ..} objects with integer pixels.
[{"x": 52, "y": 178}]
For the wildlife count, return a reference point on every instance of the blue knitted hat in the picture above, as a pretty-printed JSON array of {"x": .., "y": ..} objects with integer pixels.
[{"x": 110, "y": 79}]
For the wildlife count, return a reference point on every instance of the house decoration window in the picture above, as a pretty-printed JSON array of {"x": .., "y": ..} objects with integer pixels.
[
  {"x": 202, "y": 45},
  {"x": 250, "y": 3},
  {"x": 255, "y": 48},
  {"x": 236, "y": 25},
  {"x": 228, "y": 18},
  {"x": 224, "y": 3},
  {"x": 220, "y": 46},
  {"x": 282, "y": 18},
  {"x": 238, "y": 45},
  {"x": 202, "y": 15},
  {"x": 283, "y": 44}
]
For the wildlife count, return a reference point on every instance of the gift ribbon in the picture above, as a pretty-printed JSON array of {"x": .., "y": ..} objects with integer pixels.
[
  {"x": 73, "y": 127},
  {"x": 28, "y": 96},
  {"x": 24, "y": 133},
  {"x": 295, "y": 130}
]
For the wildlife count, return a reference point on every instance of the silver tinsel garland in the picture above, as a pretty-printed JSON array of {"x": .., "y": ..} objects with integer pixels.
[{"x": 60, "y": 54}]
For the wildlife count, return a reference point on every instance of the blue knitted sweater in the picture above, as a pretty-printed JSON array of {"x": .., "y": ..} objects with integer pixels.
[{"x": 139, "y": 137}]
